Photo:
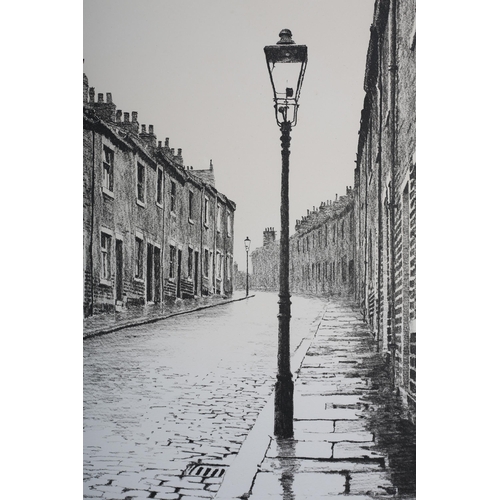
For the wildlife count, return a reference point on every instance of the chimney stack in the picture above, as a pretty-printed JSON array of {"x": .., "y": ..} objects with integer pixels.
[
  {"x": 91, "y": 94},
  {"x": 100, "y": 97},
  {"x": 119, "y": 116},
  {"x": 109, "y": 98}
]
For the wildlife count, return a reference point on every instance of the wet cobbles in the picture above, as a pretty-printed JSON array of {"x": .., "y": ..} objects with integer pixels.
[{"x": 162, "y": 397}]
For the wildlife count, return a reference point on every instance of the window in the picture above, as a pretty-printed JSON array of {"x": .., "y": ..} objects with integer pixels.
[
  {"x": 206, "y": 264},
  {"x": 219, "y": 269},
  {"x": 191, "y": 200},
  {"x": 228, "y": 267},
  {"x": 173, "y": 192},
  {"x": 107, "y": 169},
  {"x": 326, "y": 236},
  {"x": 159, "y": 186},
  {"x": 105, "y": 256},
  {"x": 138, "y": 257},
  {"x": 172, "y": 262},
  {"x": 218, "y": 217},
  {"x": 205, "y": 220},
  {"x": 190, "y": 262},
  {"x": 228, "y": 225},
  {"x": 141, "y": 174}
]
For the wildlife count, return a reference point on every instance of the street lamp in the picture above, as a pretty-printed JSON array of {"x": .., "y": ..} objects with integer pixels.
[
  {"x": 286, "y": 63},
  {"x": 247, "y": 248}
]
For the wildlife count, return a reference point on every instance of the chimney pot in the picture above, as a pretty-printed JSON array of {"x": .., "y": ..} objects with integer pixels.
[
  {"x": 166, "y": 142},
  {"x": 159, "y": 144},
  {"x": 109, "y": 98},
  {"x": 179, "y": 152},
  {"x": 100, "y": 97},
  {"x": 134, "y": 116},
  {"x": 119, "y": 115},
  {"x": 143, "y": 128},
  {"x": 172, "y": 150},
  {"x": 91, "y": 94},
  {"x": 126, "y": 116},
  {"x": 151, "y": 129}
]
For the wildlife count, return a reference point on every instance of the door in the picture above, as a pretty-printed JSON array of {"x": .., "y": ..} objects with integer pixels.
[
  {"x": 149, "y": 274},
  {"x": 179, "y": 268},
  {"x": 196, "y": 259},
  {"x": 157, "y": 274},
  {"x": 119, "y": 269}
]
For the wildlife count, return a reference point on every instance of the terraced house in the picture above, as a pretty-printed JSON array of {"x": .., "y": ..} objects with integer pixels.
[
  {"x": 364, "y": 244},
  {"x": 154, "y": 230}
]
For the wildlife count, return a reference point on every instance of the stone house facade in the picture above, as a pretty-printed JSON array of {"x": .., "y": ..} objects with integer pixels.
[
  {"x": 321, "y": 252},
  {"x": 154, "y": 230},
  {"x": 374, "y": 257},
  {"x": 385, "y": 185}
]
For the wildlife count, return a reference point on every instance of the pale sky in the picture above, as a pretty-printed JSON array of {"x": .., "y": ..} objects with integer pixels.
[{"x": 195, "y": 69}]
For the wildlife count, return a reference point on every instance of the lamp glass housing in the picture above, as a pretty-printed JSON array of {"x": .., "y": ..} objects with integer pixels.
[
  {"x": 247, "y": 244},
  {"x": 286, "y": 63}
]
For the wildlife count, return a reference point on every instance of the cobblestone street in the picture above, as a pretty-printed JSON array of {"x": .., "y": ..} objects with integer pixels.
[{"x": 168, "y": 405}]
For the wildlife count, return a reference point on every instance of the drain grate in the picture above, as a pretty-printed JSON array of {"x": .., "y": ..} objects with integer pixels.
[{"x": 202, "y": 470}]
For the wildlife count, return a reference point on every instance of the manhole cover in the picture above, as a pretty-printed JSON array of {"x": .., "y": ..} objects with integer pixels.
[{"x": 202, "y": 470}]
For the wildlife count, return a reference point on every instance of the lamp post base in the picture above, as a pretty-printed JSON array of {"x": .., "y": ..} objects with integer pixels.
[{"x": 283, "y": 406}]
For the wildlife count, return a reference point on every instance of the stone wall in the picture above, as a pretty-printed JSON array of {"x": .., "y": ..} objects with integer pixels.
[{"x": 148, "y": 219}]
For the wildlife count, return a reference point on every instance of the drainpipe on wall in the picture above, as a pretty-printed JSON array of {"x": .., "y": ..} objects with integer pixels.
[
  {"x": 379, "y": 193},
  {"x": 214, "y": 259},
  {"x": 393, "y": 77},
  {"x": 91, "y": 244},
  {"x": 202, "y": 252},
  {"x": 162, "y": 267},
  {"x": 365, "y": 284}
]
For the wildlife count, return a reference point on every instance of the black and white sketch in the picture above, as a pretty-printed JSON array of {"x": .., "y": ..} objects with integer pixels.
[{"x": 232, "y": 356}]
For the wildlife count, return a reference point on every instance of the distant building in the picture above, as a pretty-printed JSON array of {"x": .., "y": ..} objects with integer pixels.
[
  {"x": 153, "y": 229},
  {"x": 364, "y": 243}
]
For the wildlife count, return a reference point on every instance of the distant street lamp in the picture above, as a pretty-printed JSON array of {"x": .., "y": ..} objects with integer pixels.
[
  {"x": 286, "y": 63},
  {"x": 247, "y": 248}
]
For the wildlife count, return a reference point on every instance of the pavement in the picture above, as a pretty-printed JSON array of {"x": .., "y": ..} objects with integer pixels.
[
  {"x": 103, "y": 323},
  {"x": 349, "y": 438}
]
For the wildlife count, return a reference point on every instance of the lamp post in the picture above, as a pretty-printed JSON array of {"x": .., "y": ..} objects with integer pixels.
[
  {"x": 286, "y": 63},
  {"x": 247, "y": 248}
]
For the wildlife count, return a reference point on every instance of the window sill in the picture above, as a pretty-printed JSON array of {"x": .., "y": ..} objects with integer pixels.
[
  {"x": 141, "y": 203},
  {"x": 191, "y": 221},
  {"x": 105, "y": 282},
  {"x": 139, "y": 280},
  {"x": 206, "y": 225},
  {"x": 160, "y": 205},
  {"x": 108, "y": 193}
]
